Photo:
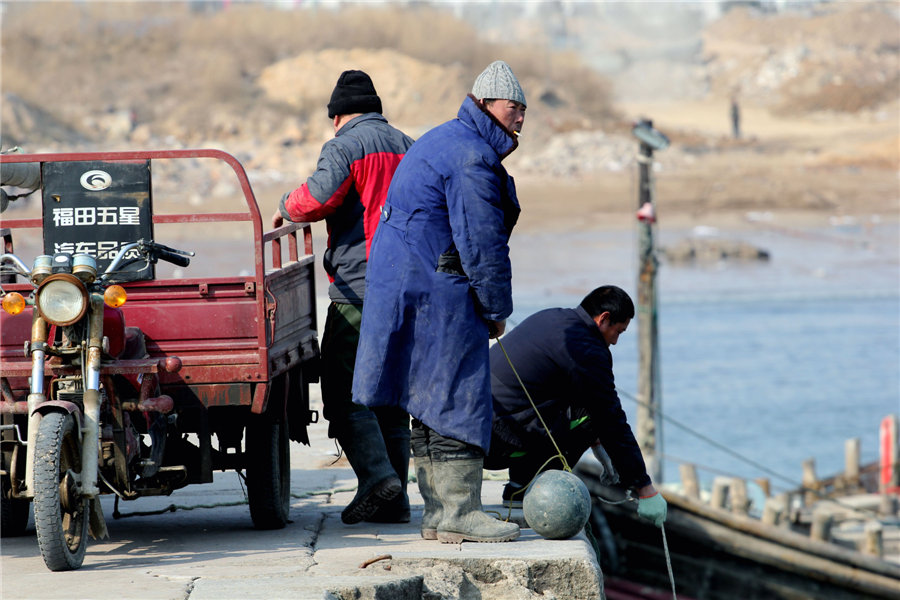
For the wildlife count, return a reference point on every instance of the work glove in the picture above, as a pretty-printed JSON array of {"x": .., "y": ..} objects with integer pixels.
[{"x": 653, "y": 508}]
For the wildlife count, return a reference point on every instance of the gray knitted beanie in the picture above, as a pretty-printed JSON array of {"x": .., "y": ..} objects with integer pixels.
[{"x": 498, "y": 81}]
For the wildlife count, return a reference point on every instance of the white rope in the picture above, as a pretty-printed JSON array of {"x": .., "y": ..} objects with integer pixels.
[
  {"x": 561, "y": 456},
  {"x": 668, "y": 561}
]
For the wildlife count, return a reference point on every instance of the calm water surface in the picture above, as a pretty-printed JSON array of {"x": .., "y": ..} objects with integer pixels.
[{"x": 780, "y": 361}]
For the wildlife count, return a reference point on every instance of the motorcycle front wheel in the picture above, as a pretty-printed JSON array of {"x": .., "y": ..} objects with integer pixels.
[{"x": 60, "y": 513}]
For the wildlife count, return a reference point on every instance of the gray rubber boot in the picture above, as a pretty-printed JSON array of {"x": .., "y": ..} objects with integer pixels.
[
  {"x": 457, "y": 482},
  {"x": 360, "y": 437},
  {"x": 432, "y": 515},
  {"x": 396, "y": 440}
]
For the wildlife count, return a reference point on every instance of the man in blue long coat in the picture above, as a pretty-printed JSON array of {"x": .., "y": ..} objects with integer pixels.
[{"x": 438, "y": 287}]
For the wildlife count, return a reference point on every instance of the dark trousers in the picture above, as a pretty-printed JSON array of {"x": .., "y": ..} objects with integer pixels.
[
  {"x": 340, "y": 340},
  {"x": 524, "y": 464},
  {"x": 428, "y": 442}
]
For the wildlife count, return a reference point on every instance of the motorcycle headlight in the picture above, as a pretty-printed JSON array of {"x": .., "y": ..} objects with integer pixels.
[{"x": 62, "y": 299}]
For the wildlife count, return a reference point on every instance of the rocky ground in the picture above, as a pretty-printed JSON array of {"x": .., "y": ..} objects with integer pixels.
[{"x": 818, "y": 91}]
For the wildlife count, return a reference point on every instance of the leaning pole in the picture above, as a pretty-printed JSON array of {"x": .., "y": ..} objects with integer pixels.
[{"x": 649, "y": 421}]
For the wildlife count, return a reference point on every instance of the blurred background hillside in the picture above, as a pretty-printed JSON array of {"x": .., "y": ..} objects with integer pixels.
[{"x": 817, "y": 84}]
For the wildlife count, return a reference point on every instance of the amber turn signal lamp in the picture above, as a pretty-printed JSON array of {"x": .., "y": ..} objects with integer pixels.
[
  {"x": 115, "y": 296},
  {"x": 13, "y": 303}
]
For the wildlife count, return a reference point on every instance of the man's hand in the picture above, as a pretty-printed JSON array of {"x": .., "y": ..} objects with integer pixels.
[
  {"x": 496, "y": 328},
  {"x": 277, "y": 219},
  {"x": 651, "y": 505}
]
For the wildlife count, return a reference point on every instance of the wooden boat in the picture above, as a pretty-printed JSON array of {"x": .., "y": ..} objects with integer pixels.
[{"x": 719, "y": 555}]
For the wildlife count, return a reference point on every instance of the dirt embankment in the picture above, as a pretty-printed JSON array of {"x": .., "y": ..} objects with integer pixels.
[{"x": 817, "y": 90}]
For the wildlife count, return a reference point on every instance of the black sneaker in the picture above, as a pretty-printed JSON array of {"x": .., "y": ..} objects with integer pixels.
[{"x": 512, "y": 495}]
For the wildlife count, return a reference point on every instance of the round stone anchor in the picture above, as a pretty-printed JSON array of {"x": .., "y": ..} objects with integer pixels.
[{"x": 557, "y": 505}]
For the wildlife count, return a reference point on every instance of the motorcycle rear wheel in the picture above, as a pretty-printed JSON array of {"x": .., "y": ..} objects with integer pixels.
[
  {"x": 60, "y": 514},
  {"x": 268, "y": 472}
]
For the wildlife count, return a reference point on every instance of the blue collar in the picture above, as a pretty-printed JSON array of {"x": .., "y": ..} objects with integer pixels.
[{"x": 488, "y": 127}]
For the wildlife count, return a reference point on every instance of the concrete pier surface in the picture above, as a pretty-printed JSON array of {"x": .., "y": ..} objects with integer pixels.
[{"x": 201, "y": 545}]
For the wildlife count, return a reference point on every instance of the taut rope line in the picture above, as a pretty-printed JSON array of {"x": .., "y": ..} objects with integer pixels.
[{"x": 569, "y": 469}]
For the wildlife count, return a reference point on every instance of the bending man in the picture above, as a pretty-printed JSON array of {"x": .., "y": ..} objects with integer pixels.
[{"x": 563, "y": 358}]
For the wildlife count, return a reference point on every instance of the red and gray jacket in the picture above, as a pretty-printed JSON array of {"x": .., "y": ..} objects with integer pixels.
[{"x": 348, "y": 190}]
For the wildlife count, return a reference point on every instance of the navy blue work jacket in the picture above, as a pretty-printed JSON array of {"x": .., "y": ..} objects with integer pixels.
[{"x": 566, "y": 366}]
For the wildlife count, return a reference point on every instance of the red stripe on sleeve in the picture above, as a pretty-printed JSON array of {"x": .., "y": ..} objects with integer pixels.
[{"x": 304, "y": 208}]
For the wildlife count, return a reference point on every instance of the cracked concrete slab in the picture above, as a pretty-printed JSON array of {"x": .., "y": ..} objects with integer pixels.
[{"x": 528, "y": 568}]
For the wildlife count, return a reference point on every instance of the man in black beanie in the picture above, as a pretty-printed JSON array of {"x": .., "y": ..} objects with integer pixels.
[
  {"x": 347, "y": 190},
  {"x": 353, "y": 94}
]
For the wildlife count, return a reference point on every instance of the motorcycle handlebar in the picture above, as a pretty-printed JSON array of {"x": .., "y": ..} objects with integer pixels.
[
  {"x": 152, "y": 252},
  {"x": 176, "y": 259},
  {"x": 180, "y": 258}
]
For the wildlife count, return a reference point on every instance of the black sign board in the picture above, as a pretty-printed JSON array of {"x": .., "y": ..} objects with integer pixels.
[{"x": 95, "y": 207}]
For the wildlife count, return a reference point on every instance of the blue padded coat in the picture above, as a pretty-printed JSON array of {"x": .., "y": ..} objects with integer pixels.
[{"x": 438, "y": 271}]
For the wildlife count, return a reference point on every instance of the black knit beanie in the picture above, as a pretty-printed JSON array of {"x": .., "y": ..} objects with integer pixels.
[{"x": 354, "y": 93}]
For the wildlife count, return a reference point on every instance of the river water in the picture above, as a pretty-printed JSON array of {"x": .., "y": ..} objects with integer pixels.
[{"x": 778, "y": 361}]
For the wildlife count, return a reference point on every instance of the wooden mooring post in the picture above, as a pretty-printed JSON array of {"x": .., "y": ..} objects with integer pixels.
[
  {"x": 820, "y": 528},
  {"x": 810, "y": 482},
  {"x": 888, "y": 505},
  {"x": 649, "y": 422},
  {"x": 740, "y": 502},
  {"x": 851, "y": 463},
  {"x": 689, "y": 481},
  {"x": 719, "y": 494},
  {"x": 873, "y": 541},
  {"x": 774, "y": 509}
]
